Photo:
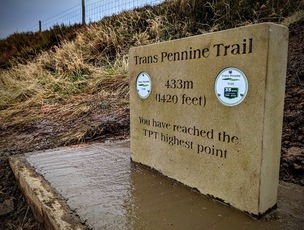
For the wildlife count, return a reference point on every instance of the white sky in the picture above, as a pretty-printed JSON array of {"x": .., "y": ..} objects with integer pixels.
[{"x": 24, "y": 15}]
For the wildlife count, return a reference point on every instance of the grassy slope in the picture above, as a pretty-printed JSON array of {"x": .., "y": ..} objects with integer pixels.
[{"x": 89, "y": 75}]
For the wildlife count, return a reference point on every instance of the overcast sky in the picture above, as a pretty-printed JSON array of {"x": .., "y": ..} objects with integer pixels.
[
  {"x": 20, "y": 15},
  {"x": 24, "y": 15}
]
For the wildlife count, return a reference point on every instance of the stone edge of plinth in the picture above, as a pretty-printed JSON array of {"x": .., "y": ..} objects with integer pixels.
[{"x": 45, "y": 203}]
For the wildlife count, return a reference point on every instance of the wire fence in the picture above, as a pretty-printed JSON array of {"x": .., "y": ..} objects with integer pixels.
[{"x": 93, "y": 12}]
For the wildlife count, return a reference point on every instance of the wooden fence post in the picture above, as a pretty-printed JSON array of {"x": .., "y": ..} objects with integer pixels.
[{"x": 83, "y": 12}]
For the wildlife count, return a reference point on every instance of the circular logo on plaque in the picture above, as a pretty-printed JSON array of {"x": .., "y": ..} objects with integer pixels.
[
  {"x": 231, "y": 86},
  {"x": 143, "y": 85}
]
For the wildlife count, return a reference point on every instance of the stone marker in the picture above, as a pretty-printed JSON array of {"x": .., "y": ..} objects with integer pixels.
[{"x": 207, "y": 111}]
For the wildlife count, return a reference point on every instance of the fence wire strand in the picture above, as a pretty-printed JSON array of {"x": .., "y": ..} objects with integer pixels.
[{"x": 93, "y": 12}]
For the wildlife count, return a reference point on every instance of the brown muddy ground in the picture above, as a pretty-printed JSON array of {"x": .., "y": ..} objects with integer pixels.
[
  {"x": 292, "y": 158},
  {"x": 51, "y": 131}
]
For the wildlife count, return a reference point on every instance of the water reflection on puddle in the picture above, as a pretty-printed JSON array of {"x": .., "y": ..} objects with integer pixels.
[
  {"x": 108, "y": 191},
  {"x": 156, "y": 202}
]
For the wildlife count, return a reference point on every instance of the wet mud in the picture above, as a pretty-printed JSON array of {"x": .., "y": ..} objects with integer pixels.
[{"x": 43, "y": 135}]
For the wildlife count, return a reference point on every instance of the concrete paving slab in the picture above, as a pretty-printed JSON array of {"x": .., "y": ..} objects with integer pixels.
[{"x": 97, "y": 186}]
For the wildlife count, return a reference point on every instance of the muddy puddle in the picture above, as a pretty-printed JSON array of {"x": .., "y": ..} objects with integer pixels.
[{"x": 108, "y": 191}]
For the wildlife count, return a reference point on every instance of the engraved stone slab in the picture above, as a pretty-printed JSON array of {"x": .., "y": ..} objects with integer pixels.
[{"x": 207, "y": 111}]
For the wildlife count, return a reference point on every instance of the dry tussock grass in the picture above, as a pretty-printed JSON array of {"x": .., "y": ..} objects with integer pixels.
[
  {"x": 95, "y": 65},
  {"x": 293, "y": 18},
  {"x": 58, "y": 74},
  {"x": 63, "y": 85}
]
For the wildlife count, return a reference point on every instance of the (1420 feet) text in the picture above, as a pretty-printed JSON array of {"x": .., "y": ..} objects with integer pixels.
[{"x": 183, "y": 99}]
